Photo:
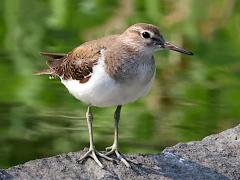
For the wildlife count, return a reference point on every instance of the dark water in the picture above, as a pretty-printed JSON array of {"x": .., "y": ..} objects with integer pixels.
[{"x": 192, "y": 97}]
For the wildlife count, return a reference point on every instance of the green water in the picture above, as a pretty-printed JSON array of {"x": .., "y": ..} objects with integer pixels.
[{"x": 192, "y": 97}]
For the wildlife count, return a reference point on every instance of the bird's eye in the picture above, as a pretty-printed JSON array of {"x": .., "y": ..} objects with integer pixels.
[{"x": 145, "y": 35}]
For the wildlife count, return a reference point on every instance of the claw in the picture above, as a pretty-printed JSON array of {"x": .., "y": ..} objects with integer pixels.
[
  {"x": 119, "y": 156},
  {"x": 93, "y": 154},
  {"x": 105, "y": 157}
]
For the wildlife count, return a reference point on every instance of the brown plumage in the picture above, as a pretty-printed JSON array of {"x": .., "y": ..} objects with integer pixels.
[{"x": 76, "y": 65}]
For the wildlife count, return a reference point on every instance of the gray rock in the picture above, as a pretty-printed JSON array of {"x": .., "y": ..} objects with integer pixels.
[
  {"x": 220, "y": 152},
  {"x": 5, "y": 175},
  {"x": 215, "y": 157},
  {"x": 157, "y": 166}
]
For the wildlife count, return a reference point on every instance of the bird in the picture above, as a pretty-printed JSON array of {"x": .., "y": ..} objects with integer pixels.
[{"x": 110, "y": 71}]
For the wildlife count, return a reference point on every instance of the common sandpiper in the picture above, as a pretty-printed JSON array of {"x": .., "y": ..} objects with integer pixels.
[{"x": 111, "y": 71}]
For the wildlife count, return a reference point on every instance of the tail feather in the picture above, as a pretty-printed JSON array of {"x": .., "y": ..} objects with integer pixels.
[
  {"x": 53, "y": 55},
  {"x": 54, "y": 61},
  {"x": 44, "y": 72}
]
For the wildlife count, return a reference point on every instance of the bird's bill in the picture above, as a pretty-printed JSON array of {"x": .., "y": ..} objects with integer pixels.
[{"x": 173, "y": 47}]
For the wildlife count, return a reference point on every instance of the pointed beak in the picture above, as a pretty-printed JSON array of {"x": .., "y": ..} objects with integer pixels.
[{"x": 173, "y": 47}]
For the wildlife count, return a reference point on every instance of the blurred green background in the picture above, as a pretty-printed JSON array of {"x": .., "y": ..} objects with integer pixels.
[{"x": 192, "y": 97}]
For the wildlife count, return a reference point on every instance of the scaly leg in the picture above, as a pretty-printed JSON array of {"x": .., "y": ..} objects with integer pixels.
[
  {"x": 114, "y": 148},
  {"x": 92, "y": 152}
]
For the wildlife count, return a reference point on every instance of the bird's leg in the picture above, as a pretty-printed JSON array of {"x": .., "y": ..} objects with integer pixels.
[
  {"x": 114, "y": 148},
  {"x": 92, "y": 152}
]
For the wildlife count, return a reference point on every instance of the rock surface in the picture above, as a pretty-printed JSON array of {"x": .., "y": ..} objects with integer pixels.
[
  {"x": 215, "y": 157},
  {"x": 220, "y": 152},
  {"x": 5, "y": 175}
]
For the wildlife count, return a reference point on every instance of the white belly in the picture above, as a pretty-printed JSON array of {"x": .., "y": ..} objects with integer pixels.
[{"x": 101, "y": 90}]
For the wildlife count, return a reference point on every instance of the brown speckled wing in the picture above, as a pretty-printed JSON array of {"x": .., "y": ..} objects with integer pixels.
[{"x": 78, "y": 64}]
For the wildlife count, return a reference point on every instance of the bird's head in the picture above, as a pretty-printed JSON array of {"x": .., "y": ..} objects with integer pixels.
[{"x": 147, "y": 37}]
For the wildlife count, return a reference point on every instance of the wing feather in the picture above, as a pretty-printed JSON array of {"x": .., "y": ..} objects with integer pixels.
[{"x": 78, "y": 64}]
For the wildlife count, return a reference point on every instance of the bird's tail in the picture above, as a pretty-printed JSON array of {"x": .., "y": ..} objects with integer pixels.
[
  {"x": 53, "y": 62},
  {"x": 44, "y": 72}
]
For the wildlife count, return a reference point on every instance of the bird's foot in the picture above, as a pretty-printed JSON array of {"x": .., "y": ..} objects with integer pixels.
[
  {"x": 114, "y": 150},
  {"x": 93, "y": 153}
]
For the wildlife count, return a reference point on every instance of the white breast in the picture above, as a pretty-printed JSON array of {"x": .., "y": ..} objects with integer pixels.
[{"x": 101, "y": 90}]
